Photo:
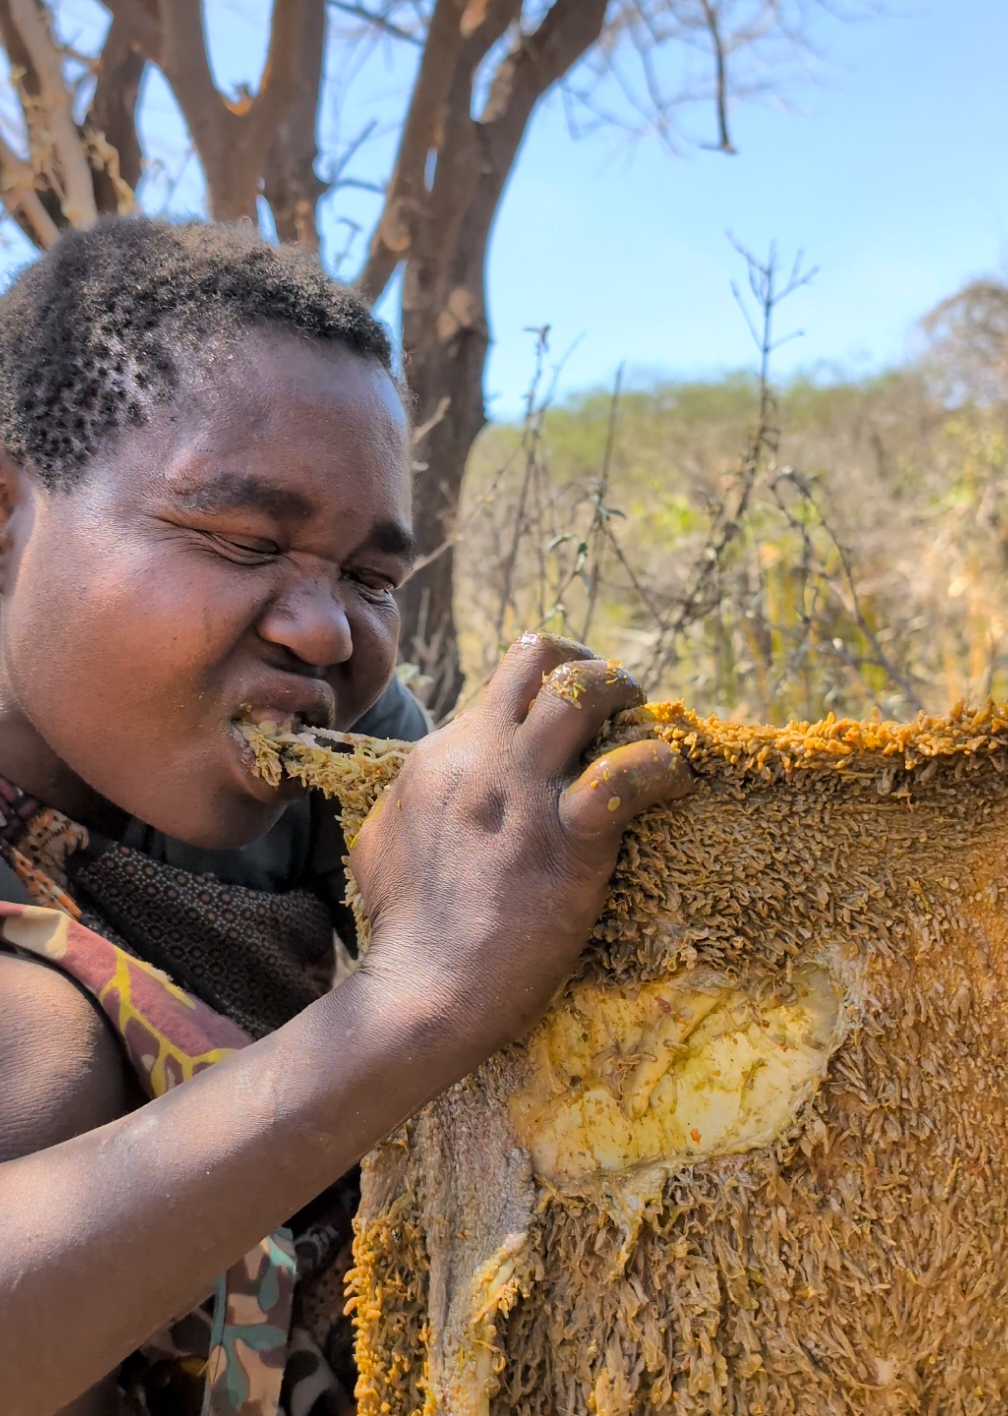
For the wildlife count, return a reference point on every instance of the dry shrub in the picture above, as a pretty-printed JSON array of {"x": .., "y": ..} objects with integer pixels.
[{"x": 839, "y": 547}]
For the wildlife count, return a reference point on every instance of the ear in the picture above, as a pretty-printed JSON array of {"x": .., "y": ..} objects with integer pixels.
[{"x": 19, "y": 496}]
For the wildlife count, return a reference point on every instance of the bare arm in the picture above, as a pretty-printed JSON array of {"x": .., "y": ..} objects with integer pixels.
[
  {"x": 108, "y": 1234},
  {"x": 482, "y": 874},
  {"x": 61, "y": 1074},
  {"x": 61, "y": 1071}
]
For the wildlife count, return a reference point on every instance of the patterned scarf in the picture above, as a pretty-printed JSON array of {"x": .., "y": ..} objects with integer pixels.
[{"x": 120, "y": 924}]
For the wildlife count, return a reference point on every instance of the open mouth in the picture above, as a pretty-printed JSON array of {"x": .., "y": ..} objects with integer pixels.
[
  {"x": 338, "y": 764},
  {"x": 252, "y": 726},
  {"x": 272, "y": 720}
]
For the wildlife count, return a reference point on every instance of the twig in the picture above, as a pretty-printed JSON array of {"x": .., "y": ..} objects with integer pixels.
[
  {"x": 376, "y": 21},
  {"x": 530, "y": 440},
  {"x": 600, "y": 514},
  {"x": 435, "y": 418},
  {"x": 853, "y": 608},
  {"x": 720, "y": 68},
  {"x": 763, "y": 443}
]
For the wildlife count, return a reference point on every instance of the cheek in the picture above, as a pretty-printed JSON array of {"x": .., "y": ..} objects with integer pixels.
[
  {"x": 375, "y": 633},
  {"x": 97, "y": 627}
]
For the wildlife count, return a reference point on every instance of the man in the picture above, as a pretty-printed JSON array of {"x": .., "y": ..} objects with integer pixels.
[{"x": 204, "y": 515}]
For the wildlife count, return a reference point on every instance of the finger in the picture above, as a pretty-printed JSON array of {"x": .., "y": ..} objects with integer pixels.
[
  {"x": 520, "y": 675},
  {"x": 572, "y": 705},
  {"x": 617, "y": 786}
]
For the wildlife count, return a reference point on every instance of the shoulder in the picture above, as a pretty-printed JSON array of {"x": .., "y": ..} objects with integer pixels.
[{"x": 61, "y": 1070}]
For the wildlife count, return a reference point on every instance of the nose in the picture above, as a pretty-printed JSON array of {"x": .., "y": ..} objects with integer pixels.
[{"x": 311, "y": 623}]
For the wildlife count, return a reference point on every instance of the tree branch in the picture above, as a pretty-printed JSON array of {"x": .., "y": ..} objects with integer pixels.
[
  {"x": 78, "y": 202},
  {"x": 110, "y": 120},
  {"x": 183, "y": 58},
  {"x": 141, "y": 25},
  {"x": 290, "y": 183},
  {"x": 540, "y": 59},
  {"x": 394, "y": 232},
  {"x": 721, "y": 99},
  {"x": 377, "y": 22},
  {"x": 232, "y": 140},
  {"x": 22, "y": 201},
  {"x": 279, "y": 84},
  {"x": 17, "y": 54},
  {"x": 484, "y": 24}
]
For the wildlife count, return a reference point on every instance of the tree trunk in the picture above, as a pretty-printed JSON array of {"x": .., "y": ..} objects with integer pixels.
[
  {"x": 438, "y": 371},
  {"x": 439, "y": 223},
  {"x": 291, "y": 186}
]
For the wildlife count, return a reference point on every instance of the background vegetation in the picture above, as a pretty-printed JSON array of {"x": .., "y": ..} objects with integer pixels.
[
  {"x": 822, "y": 547},
  {"x": 836, "y": 547}
]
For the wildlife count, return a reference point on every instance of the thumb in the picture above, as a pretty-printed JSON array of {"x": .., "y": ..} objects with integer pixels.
[{"x": 611, "y": 791}]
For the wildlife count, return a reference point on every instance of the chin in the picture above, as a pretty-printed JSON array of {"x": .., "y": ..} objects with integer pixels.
[{"x": 226, "y": 826}]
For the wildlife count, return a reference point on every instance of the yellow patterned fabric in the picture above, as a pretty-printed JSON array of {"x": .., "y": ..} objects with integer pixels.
[{"x": 237, "y": 1367}]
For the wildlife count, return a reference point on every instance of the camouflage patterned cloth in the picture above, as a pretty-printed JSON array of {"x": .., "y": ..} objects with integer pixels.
[{"x": 233, "y": 1364}]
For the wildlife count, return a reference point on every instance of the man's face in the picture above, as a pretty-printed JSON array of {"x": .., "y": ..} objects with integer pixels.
[{"x": 240, "y": 551}]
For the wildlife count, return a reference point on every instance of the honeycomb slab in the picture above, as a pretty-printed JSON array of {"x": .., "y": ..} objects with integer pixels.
[{"x": 755, "y": 1160}]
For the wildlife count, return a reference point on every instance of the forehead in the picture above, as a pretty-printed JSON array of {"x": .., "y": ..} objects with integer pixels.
[
  {"x": 292, "y": 390},
  {"x": 319, "y": 426},
  {"x": 271, "y": 370}
]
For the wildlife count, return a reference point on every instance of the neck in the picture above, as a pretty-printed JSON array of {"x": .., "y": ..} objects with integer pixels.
[{"x": 28, "y": 762}]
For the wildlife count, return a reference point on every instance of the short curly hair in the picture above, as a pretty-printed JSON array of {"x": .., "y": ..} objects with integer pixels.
[{"x": 94, "y": 335}]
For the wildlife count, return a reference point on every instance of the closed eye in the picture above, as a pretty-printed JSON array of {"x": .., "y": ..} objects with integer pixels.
[
  {"x": 243, "y": 550},
  {"x": 372, "y": 584}
]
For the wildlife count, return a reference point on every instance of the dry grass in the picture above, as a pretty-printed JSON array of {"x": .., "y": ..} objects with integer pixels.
[{"x": 834, "y": 548}]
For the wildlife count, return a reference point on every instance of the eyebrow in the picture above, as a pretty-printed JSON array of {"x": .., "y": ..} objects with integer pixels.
[
  {"x": 390, "y": 538},
  {"x": 238, "y": 491}
]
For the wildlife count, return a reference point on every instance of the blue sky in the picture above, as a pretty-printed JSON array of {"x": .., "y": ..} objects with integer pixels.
[
  {"x": 888, "y": 166},
  {"x": 892, "y": 174}
]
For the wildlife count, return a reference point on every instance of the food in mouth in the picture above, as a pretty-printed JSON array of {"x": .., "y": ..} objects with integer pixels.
[{"x": 348, "y": 766}]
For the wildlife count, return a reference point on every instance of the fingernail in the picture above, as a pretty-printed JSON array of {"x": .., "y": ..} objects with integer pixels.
[{"x": 536, "y": 637}]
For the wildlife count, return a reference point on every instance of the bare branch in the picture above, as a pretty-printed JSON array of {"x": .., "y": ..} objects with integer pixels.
[
  {"x": 721, "y": 100},
  {"x": 110, "y": 121},
  {"x": 768, "y": 295},
  {"x": 600, "y": 529},
  {"x": 183, "y": 57},
  {"x": 280, "y": 76},
  {"x": 541, "y": 58},
  {"x": 703, "y": 585},
  {"x": 78, "y": 201},
  {"x": 291, "y": 184},
  {"x": 378, "y": 22},
  {"x": 394, "y": 232},
  {"x": 22, "y": 201},
  {"x": 483, "y": 24},
  {"x": 140, "y": 21},
  {"x": 851, "y": 602},
  {"x": 232, "y": 139}
]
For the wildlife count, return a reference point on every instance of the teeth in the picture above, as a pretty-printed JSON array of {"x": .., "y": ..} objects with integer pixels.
[{"x": 270, "y": 721}]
